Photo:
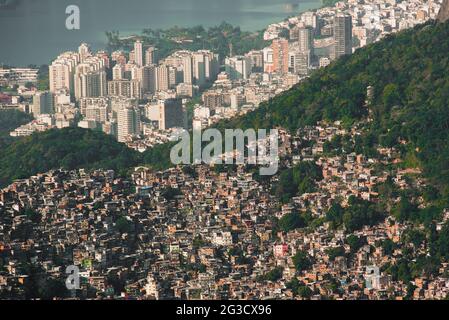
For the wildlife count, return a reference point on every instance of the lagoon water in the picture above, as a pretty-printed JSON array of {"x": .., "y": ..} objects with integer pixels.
[{"x": 33, "y": 31}]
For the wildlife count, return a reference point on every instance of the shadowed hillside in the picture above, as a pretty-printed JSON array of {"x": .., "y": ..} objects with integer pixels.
[{"x": 69, "y": 148}]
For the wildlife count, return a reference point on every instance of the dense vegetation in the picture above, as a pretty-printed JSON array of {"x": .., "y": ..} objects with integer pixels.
[
  {"x": 329, "y": 3},
  {"x": 302, "y": 261},
  {"x": 218, "y": 39},
  {"x": 11, "y": 119},
  {"x": 291, "y": 221},
  {"x": 272, "y": 275},
  {"x": 298, "y": 180},
  {"x": 68, "y": 148},
  {"x": 357, "y": 214},
  {"x": 43, "y": 78}
]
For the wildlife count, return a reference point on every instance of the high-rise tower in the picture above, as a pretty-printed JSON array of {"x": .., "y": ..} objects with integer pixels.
[{"x": 342, "y": 35}]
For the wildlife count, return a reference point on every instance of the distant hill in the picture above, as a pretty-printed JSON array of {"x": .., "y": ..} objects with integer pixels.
[{"x": 68, "y": 148}]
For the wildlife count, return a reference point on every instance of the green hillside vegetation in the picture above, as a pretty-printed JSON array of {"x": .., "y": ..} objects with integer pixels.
[
  {"x": 68, "y": 148},
  {"x": 329, "y": 3},
  {"x": 359, "y": 213},
  {"x": 298, "y": 180}
]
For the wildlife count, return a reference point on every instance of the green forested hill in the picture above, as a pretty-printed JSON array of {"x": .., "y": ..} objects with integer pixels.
[
  {"x": 69, "y": 148},
  {"x": 409, "y": 69}
]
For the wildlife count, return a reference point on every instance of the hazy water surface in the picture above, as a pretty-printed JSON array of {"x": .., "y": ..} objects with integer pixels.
[{"x": 33, "y": 31}]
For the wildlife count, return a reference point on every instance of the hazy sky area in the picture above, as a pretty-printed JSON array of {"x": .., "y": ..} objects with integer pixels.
[{"x": 33, "y": 32}]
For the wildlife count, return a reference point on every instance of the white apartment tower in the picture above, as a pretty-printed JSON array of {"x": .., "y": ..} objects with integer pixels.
[
  {"x": 62, "y": 70},
  {"x": 128, "y": 122},
  {"x": 138, "y": 53},
  {"x": 238, "y": 67},
  {"x": 150, "y": 56},
  {"x": 84, "y": 51},
  {"x": 162, "y": 78},
  {"x": 125, "y": 89},
  {"x": 187, "y": 69},
  {"x": 205, "y": 66},
  {"x": 118, "y": 72},
  {"x": 90, "y": 79},
  {"x": 167, "y": 113}
]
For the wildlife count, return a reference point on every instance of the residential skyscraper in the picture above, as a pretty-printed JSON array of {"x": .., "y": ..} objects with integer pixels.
[
  {"x": 128, "y": 121},
  {"x": 119, "y": 57},
  {"x": 310, "y": 19},
  {"x": 305, "y": 40},
  {"x": 256, "y": 58},
  {"x": 187, "y": 69},
  {"x": 280, "y": 55},
  {"x": 85, "y": 103},
  {"x": 90, "y": 78},
  {"x": 84, "y": 51},
  {"x": 97, "y": 113},
  {"x": 302, "y": 51},
  {"x": 238, "y": 67},
  {"x": 205, "y": 66},
  {"x": 167, "y": 113},
  {"x": 342, "y": 35},
  {"x": 199, "y": 68},
  {"x": 138, "y": 53},
  {"x": 268, "y": 65},
  {"x": 162, "y": 77},
  {"x": 103, "y": 55},
  {"x": 146, "y": 75},
  {"x": 301, "y": 63},
  {"x": 118, "y": 72},
  {"x": 62, "y": 70},
  {"x": 150, "y": 56},
  {"x": 125, "y": 88}
]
